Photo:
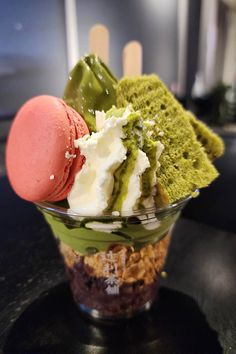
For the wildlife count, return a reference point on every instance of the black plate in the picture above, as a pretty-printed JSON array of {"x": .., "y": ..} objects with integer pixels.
[{"x": 54, "y": 325}]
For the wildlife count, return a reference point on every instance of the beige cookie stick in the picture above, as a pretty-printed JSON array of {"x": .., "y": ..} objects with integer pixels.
[
  {"x": 132, "y": 59},
  {"x": 99, "y": 42}
]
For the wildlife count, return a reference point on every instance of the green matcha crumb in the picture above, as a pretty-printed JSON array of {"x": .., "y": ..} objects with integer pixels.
[
  {"x": 195, "y": 194},
  {"x": 115, "y": 112},
  {"x": 164, "y": 274}
]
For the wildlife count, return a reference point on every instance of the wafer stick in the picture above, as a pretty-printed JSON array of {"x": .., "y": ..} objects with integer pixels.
[
  {"x": 99, "y": 42},
  {"x": 132, "y": 59}
]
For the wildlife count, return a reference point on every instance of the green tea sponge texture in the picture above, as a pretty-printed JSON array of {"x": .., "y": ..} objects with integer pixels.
[
  {"x": 184, "y": 163},
  {"x": 212, "y": 143}
]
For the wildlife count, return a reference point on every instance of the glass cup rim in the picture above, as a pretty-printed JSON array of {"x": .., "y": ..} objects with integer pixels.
[{"x": 67, "y": 212}]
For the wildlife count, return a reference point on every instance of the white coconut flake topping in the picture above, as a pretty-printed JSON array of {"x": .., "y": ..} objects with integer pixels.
[
  {"x": 115, "y": 213},
  {"x": 100, "y": 119},
  {"x": 69, "y": 156}
]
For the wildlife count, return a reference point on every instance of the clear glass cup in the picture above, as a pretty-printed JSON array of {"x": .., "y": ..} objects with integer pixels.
[{"x": 113, "y": 262}]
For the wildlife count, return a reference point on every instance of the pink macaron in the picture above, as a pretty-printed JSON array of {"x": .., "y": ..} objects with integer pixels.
[{"x": 41, "y": 158}]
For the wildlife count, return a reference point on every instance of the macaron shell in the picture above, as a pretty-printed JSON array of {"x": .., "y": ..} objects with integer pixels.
[
  {"x": 39, "y": 138},
  {"x": 77, "y": 160}
]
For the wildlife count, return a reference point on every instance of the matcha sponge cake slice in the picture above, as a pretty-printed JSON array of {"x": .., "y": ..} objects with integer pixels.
[
  {"x": 212, "y": 143},
  {"x": 184, "y": 164}
]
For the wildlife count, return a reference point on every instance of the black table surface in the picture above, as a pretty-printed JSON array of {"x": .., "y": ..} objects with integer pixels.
[{"x": 195, "y": 311}]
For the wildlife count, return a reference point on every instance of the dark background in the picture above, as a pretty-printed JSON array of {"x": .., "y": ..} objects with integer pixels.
[{"x": 34, "y": 60}]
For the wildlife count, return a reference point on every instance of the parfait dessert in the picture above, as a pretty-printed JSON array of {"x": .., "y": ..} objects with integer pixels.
[{"x": 111, "y": 165}]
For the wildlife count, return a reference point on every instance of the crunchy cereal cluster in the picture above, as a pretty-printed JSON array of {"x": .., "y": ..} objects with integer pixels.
[{"x": 128, "y": 265}]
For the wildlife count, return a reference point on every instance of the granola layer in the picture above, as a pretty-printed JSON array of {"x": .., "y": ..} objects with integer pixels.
[
  {"x": 119, "y": 281},
  {"x": 130, "y": 265}
]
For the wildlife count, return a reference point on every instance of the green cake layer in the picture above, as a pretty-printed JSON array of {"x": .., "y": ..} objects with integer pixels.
[
  {"x": 133, "y": 141},
  {"x": 211, "y": 142},
  {"x": 135, "y": 137},
  {"x": 184, "y": 164}
]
